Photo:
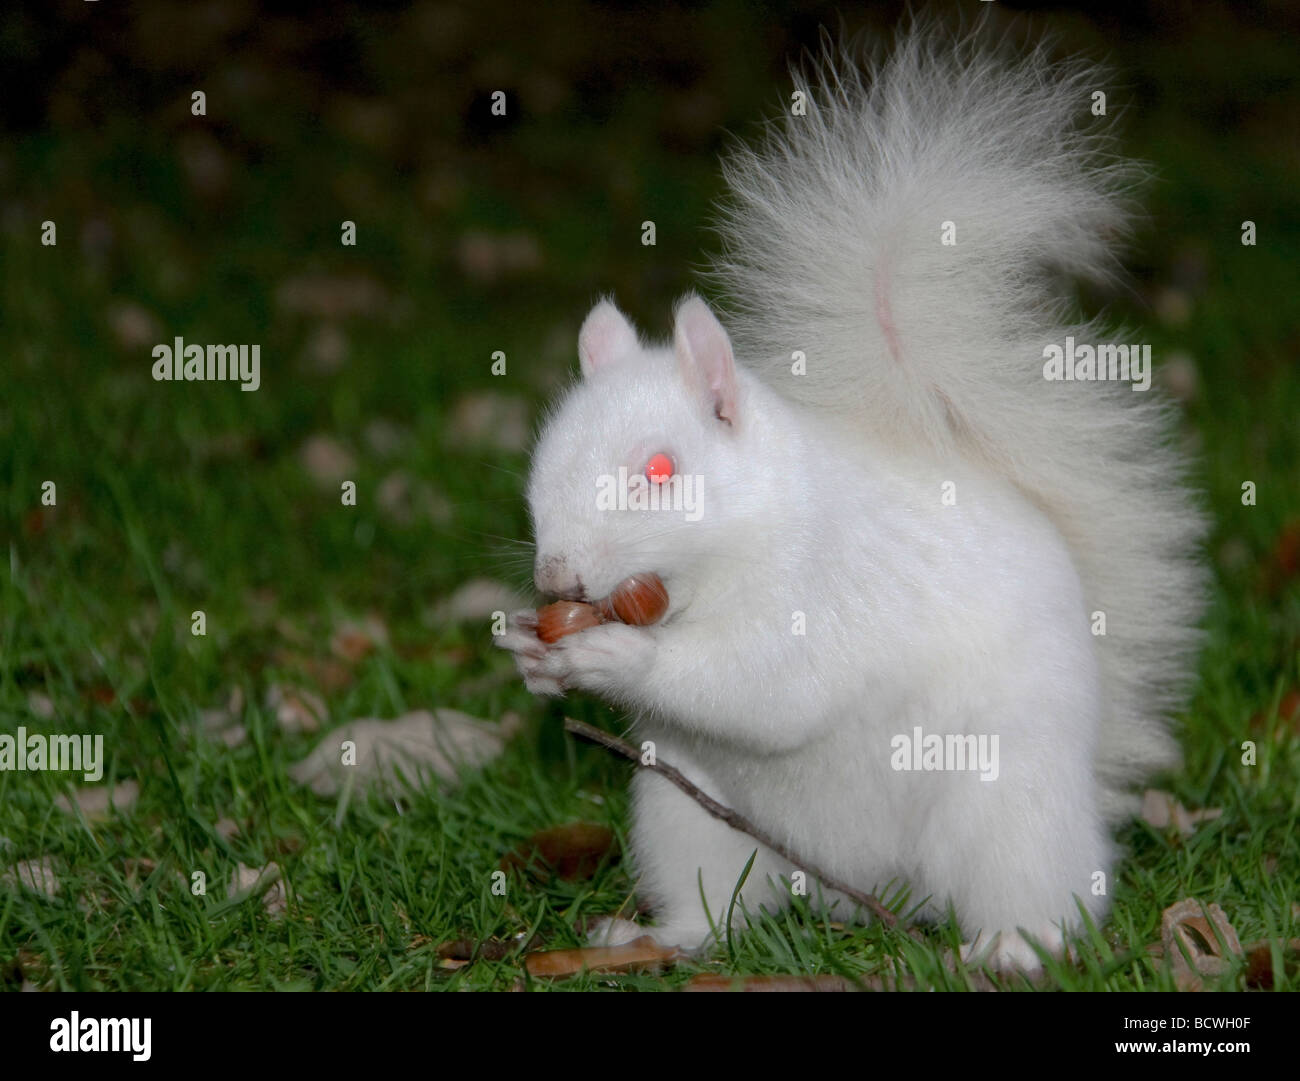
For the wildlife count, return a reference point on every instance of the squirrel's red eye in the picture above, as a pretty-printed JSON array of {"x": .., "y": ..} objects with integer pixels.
[{"x": 659, "y": 468}]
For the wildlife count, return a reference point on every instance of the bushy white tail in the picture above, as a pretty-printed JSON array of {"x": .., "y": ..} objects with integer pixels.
[{"x": 834, "y": 246}]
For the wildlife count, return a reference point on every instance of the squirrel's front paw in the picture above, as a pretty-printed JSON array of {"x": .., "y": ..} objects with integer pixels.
[
  {"x": 597, "y": 659},
  {"x": 600, "y": 659},
  {"x": 530, "y": 652}
]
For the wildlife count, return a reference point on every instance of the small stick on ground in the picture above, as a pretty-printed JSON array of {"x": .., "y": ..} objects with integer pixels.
[{"x": 736, "y": 821}]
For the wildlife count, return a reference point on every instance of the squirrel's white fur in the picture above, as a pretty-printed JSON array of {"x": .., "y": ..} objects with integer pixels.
[{"x": 829, "y": 497}]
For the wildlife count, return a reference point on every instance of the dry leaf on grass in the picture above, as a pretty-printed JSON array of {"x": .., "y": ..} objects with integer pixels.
[
  {"x": 1289, "y": 709},
  {"x": 135, "y": 867},
  {"x": 138, "y": 868},
  {"x": 1191, "y": 944},
  {"x": 205, "y": 163},
  {"x": 405, "y": 500},
  {"x": 464, "y": 950},
  {"x": 261, "y": 606},
  {"x": 572, "y": 851},
  {"x": 1179, "y": 377},
  {"x": 24, "y": 967},
  {"x": 234, "y": 736},
  {"x": 329, "y": 674},
  {"x": 326, "y": 349},
  {"x": 486, "y": 418},
  {"x": 354, "y": 641},
  {"x": 485, "y": 257},
  {"x": 1161, "y": 810},
  {"x": 97, "y": 802},
  {"x": 385, "y": 437},
  {"x": 1288, "y": 715},
  {"x": 133, "y": 325},
  {"x": 327, "y": 460},
  {"x": 296, "y": 709},
  {"x": 1259, "y": 961},
  {"x": 716, "y": 981},
  {"x": 214, "y": 720},
  {"x": 266, "y": 882},
  {"x": 644, "y": 954},
  {"x": 476, "y": 600},
  {"x": 441, "y": 743},
  {"x": 36, "y": 875},
  {"x": 332, "y": 296},
  {"x": 1285, "y": 563},
  {"x": 41, "y": 705}
]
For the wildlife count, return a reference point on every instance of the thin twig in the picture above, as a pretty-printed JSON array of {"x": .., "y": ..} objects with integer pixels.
[{"x": 736, "y": 821}]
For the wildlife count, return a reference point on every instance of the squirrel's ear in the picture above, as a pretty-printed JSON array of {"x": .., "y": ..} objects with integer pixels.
[
  {"x": 605, "y": 337},
  {"x": 704, "y": 356}
]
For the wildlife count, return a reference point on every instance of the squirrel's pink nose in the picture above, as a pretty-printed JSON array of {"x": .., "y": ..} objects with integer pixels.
[{"x": 553, "y": 576}]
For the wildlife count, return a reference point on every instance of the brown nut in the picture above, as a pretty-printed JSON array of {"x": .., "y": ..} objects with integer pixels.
[
  {"x": 639, "y": 600},
  {"x": 564, "y": 618}
]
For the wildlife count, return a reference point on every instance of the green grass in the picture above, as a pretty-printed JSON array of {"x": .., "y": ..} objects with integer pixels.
[{"x": 173, "y": 498}]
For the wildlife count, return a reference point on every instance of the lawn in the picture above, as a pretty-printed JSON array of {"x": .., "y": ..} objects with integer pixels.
[{"x": 479, "y": 234}]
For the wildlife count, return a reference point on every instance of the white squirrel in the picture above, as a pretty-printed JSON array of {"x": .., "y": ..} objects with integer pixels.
[{"x": 913, "y": 528}]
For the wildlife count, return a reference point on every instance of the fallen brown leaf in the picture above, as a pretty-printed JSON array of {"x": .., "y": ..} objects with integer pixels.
[
  {"x": 327, "y": 460},
  {"x": 485, "y": 257},
  {"x": 1162, "y": 810},
  {"x": 1288, "y": 715},
  {"x": 329, "y": 674},
  {"x": 205, "y": 162},
  {"x": 234, "y": 736},
  {"x": 326, "y": 349},
  {"x": 1259, "y": 961},
  {"x": 41, "y": 705},
  {"x": 1286, "y": 551},
  {"x": 329, "y": 296},
  {"x": 385, "y": 437},
  {"x": 38, "y": 875},
  {"x": 133, "y": 325},
  {"x": 27, "y": 969},
  {"x": 1288, "y": 710},
  {"x": 1179, "y": 377},
  {"x": 37, "y": 520},
  {"x": 644, "y": 954},
  {"x": 464, "y": 950},
  {"x": 296, "y": 709},
  {"x": 441, "y": 742},
  {"x": 220, "y": 717},
  {"x": 487, "y": 418},
  {"x": 97, "y": 802},
  {"x": 265, "y": 882},
  {"x": 138, "y": 867},
  {"x": 572, "y": 851},
  {"x": 476, "y": 600},
  {"x": 1190, "y": 933},
  {"x": 354, "y": 641}
]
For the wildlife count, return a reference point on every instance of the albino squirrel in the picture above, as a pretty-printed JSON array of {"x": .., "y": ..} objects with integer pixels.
[{"x": 907, "y": 532}]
